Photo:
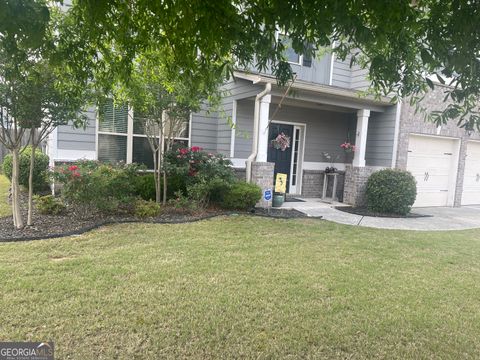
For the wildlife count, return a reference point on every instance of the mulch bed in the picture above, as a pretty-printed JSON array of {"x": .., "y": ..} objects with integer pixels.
[
  {"x": 71, "y": 223},
  {"x": 365, "y": 212}
]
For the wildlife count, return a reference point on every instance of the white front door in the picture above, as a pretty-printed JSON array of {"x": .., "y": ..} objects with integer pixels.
[
  {"x": 471, "y": 179},
  {"x": 432, "y": 161}
]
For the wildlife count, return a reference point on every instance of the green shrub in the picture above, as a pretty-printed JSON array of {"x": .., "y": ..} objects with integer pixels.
[
  {"x": 40, "y": 169},
  {"x": 182, "y": 203},
  {"x": 145, "y": 186},
  {"x": 242, "y": 196},
  {"x": 49, "y": 205},
  {"x": 145, "y": 209},
  {"x": 217, "y": 190},
  {"x": 188, "y": 166},
  {"x": 391, "y": 191},
  {"x": 105, "y": 187}
]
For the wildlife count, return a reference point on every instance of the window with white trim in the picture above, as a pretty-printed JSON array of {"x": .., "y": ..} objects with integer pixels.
[
  {"x": 121, "y": 136},
  {"x": 291, "y": 55},
  {"x": 289, "y": 52}
]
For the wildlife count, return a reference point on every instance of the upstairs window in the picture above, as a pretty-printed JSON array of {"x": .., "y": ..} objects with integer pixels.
[{"x": 290, "y": 54}]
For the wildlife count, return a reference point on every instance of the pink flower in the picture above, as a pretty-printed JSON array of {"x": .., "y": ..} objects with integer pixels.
[
  {"x": 196, "y": 148},
  {"x": 73, "y": 168}
]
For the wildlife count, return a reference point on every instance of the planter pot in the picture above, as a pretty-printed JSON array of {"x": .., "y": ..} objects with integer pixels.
[{"x": 278, "y": 200}]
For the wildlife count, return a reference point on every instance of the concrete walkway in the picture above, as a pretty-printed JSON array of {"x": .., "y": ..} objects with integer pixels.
[{"x": 440, "y": 218}]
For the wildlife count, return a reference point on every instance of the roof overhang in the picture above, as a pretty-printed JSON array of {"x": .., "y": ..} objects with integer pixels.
[{"x": 322, "y": 94}]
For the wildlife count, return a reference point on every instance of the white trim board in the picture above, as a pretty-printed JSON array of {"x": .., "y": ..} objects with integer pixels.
[
  {"x": 234, "y": 126},
  {"x": 321, "y": 165},
  {"x": 69, "y": 155}
]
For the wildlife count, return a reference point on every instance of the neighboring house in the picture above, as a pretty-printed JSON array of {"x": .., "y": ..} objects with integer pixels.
[{"x": 323, "y": 110}]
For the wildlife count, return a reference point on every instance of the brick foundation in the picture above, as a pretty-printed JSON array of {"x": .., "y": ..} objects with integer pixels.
[
  {"x": 312, "y": 184},
  {"x": 262, "y": 175},
  {"x": 355, "y": 184}
]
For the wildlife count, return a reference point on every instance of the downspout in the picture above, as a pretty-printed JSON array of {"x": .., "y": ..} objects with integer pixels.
[{"x": 256, "y": 121}]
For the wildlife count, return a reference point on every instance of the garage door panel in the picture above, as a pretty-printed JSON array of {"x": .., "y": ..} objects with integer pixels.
[
  {"x": 471, "y": 179},
  {"x": 430, "y": 160}
]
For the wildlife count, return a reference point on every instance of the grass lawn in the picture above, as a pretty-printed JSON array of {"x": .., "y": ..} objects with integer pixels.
[
  {"x": 4, "y": 189},
  {"x": 245, "y": 287}
]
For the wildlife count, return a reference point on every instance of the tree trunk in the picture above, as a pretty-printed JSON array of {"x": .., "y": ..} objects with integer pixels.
[
  {"x": 30, "y": 185},
  {"x": 156, "y": 177},
  {"x": 17, "y": 214}
]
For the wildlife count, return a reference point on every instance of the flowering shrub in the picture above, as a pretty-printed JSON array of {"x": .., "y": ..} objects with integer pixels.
[
  {"x": 194, "y": 165},
  {"x": 105, "y": 187},
  {"x": 348, "y": 147},
  {"x": 281, "y": 142}
]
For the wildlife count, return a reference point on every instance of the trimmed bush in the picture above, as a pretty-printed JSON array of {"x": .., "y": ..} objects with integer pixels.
[
  {"x": 146, "y": 209},
  {"x": 49, "y": 205},
  {"x": 391, "y": 191},
  {"x": 188, "y": 166},
  {"x": 40, "y": 169},
  {"x": 242, "y": 196},
  {"x": 145, "y": 186},
  {"x": 109, "y": 188}
]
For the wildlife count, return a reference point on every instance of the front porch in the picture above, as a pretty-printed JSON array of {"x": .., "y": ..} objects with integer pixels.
[{"x": 317, "y": 125}]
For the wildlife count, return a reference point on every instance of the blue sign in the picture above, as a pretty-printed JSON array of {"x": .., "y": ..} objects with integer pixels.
[{"x": 267, "y": 195}]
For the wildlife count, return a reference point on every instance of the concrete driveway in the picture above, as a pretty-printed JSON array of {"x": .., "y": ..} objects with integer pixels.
[{"x": 438, "y": 218}]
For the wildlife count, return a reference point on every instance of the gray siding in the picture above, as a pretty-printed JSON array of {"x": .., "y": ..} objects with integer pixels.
[
  {"x": 212, "y": 131},
  {"x": 344, "y": 76},
  {"x": 325, "y": 130},
  {"x": 78, "y": 139},
  {"x": 341, "y": 72},
  {"x": 380, "y": 138},
  {"x": 318, "y": 72}
]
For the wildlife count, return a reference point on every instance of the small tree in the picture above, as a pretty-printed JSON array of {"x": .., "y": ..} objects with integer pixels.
[
  {"x": 38, "y": 91},
  {"x": 163, "y": 102},
  {"x": 55, "y": 101}
]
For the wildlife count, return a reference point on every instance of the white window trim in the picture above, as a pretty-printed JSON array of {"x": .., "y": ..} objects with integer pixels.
[
  {"x": 300, "y": 56},
  {"x": 130, "y": 135}
]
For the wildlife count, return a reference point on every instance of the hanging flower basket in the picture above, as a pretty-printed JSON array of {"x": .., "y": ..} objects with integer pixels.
[
  {"x": 349, "y": 148},
  {"x": 281, "y": 142}
]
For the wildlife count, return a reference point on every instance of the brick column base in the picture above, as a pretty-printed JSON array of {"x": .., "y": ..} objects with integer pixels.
[
  {"x": 262, "y": 175},
  {"x": 356, "y": 184}
]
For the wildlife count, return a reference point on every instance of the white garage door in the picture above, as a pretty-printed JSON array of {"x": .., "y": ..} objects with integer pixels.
[
  {"x": 471, "y": 180},
  {"x": 432, "y": 161}
]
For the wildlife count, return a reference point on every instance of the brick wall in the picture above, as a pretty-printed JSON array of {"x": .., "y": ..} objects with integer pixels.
[
  {"x": 355, "y": 184},
  {"x": 262, "y": 175},
  {"x": 312, "y": 184},
  {"x": 414, "y": 123}
]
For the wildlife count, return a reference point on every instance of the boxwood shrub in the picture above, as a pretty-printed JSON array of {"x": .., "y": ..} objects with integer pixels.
[
  {"x": 40, "y": 169},
  {"x": 242, "y": 196},
  {"x": 391, "y": 191}
]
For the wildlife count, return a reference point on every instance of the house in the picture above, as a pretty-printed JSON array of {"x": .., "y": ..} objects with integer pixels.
[{"x": 324, "y": 109}]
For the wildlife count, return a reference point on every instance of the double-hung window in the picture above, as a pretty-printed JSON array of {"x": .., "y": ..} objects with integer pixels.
[
  {"x": 291, "y": 55},
  {"x": 122, "y": 137}
]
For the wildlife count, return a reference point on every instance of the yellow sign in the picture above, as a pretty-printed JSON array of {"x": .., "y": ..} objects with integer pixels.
[{"x": 281, "y": 183}]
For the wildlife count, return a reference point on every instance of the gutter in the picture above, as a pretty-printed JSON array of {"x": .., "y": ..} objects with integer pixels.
[{"x": 256, "y": 121}]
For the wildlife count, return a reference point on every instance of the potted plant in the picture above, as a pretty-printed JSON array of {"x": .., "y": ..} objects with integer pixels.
[{"x": 278, "y": 199}]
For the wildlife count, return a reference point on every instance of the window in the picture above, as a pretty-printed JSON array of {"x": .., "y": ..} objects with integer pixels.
[
  {"x": 292, "y": 56},
  {"x": 289, "y": 53},
  {"x": 122, "y": 137}
]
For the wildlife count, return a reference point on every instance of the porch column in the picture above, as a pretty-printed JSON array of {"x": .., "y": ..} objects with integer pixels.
[
  {"x": 263, "y": 128},
  {"x": 361, "y": 138}
]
